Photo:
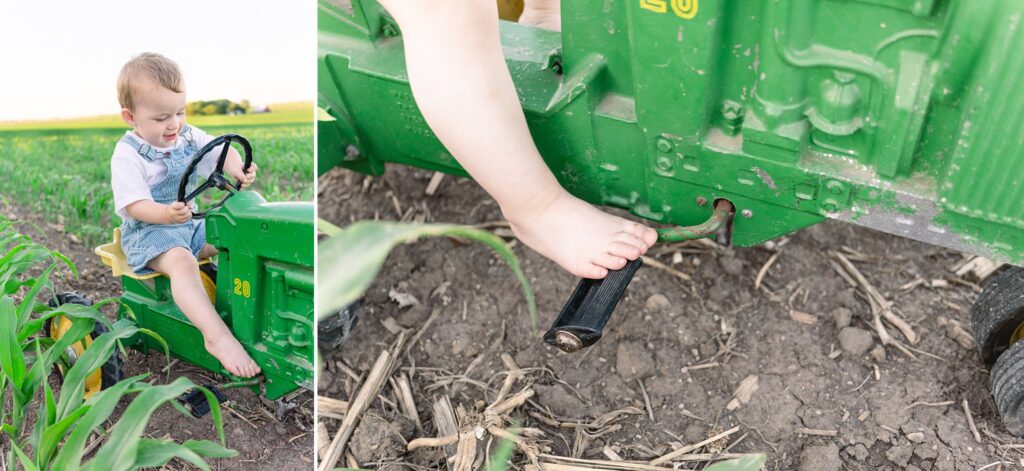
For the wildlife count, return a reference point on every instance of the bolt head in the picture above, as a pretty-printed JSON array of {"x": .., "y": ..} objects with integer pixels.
[
  {"x": 664, "y": 163},
  {"x": 665, "y": 145},
  {"x": 702, "y": 201},
  {"x": 567, "y": 342},
  {"x": 747, "y": 213}
]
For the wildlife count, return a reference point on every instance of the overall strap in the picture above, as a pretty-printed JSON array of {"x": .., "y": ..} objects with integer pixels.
[
  {"x": 145, "y": 150},
  {"x": 190, "y": 142}
]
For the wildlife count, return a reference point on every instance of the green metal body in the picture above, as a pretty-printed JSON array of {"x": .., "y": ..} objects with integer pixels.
[
  {"x": 264, "y": 292},
  {"x": 900, "y": 115}
]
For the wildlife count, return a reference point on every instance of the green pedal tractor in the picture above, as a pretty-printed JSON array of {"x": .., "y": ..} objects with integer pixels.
[
  {"x": 261, "y": 285},
  {"x": 749, "y": 118}
]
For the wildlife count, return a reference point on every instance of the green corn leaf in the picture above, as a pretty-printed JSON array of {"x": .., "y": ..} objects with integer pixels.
[
  {"x": 218, "y": 423},
  {"x": 51, "y": 404},
  {"x": 120, "y": 450},
  {"x": 53, "y": 434},
  {"x": 33, "y": 326},
  {"x": 101, "y": 405},
  {"x": 26, "y": 462},
  {"x": 5, "y": 261},
  {"x": 92, "y": 358},
  {"x": 80, "y": 327},
  {"x": 159, "y": 339},
  {"x": 209, "y": 449},
  {"x": 153, "y": 453},
  {"x": 215, "y": 412},
  {"x": 350, "y": 261},
  {"x": 323, "y": 115},
  {"x": 29, "y": 301},
  {"x": 67, "y": 261},
  {"x": 11, "y": 358},
  {"x": 328, "y": 228},
  {"x": 746, "y": 463},
  {"x": 499, "y": 461}
]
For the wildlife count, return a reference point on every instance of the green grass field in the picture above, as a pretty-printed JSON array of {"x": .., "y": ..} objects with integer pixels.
[
  {"x": 283, "y": 113},
  {"x": 63, "y": 171}
]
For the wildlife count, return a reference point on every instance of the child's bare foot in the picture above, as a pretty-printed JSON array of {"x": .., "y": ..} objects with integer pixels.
[
  {"x": 581, "y": 238},
  {"x": 232, "y": 355},
  {"x": 544, "y": 14}
]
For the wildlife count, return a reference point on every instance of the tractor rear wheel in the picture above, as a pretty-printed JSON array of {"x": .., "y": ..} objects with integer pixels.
[
  {"x": 332, "y": 331},
  {"x": 998, "y": 315},
  {"x": 104, "y": 377},
  {"x": 1007, "y": 381}
]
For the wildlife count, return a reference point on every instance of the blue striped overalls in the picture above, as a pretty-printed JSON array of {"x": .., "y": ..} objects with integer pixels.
[{"x": 141, "y": 241}]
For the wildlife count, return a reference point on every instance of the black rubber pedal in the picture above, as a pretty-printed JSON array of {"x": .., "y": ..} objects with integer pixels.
[
  {"x": 195, "y": 401},
  {"x": 582, "y": 320}
]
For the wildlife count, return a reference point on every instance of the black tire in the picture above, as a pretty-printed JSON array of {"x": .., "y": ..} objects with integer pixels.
[
  {"x": 332, "y": 332},
  {"x": 1007, "y": 381},
  {"x": 112, "y": 370},
  {"x": 998, "y": 313}
]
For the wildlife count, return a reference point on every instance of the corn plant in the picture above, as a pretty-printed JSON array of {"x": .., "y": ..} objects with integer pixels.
[{"x": 64, "y": 419}]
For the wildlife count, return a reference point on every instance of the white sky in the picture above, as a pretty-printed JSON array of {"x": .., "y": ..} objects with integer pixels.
[{"x": 61, "y": 59}]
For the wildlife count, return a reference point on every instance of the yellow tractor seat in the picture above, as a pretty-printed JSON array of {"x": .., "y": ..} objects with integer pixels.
[{"x": 113, "y": 257}]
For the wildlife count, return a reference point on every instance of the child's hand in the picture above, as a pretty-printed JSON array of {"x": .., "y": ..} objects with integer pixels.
[
  {"x": 179, "y": 213},
  {"x": 246, "y": 178}
]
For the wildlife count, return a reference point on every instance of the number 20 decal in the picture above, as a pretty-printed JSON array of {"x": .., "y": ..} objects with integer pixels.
[
  {"x": 685, "y": 9},
  {"x": 242, "y": 288}
]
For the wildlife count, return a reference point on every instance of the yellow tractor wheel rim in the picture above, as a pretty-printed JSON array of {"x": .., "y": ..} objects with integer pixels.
[
  {"x": 58, "y": 327},
  {"x": 210, "y": 286},
  {"x": 1018, "y": 335}
]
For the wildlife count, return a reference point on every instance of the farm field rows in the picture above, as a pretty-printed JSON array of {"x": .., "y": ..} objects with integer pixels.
[{"x": 63, "y": 172}]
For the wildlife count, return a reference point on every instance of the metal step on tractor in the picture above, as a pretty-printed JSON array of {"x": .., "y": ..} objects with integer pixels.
[
  {"x": 261, "y": 285},
  {"x": 898, "y": 115}
]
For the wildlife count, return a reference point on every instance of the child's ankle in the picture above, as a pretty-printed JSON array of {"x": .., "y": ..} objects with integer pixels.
[{"x": 536, "y": 203}]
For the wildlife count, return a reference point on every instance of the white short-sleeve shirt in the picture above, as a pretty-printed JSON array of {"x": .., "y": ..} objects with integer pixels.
[{"x": 131, "y": 175}]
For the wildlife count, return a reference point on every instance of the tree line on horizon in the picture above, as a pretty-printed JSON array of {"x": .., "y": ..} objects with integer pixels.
[{"x": 215, "y": 107}]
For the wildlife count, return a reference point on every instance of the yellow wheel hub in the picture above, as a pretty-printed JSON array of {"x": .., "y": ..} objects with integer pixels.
[
  {"x": 1018, "y": 335},
  {"x": 58, "y": 327},
  {"x": 210, "y": 286}
]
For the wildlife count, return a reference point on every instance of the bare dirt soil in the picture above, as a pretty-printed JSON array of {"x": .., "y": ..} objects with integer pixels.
[
  {"x": 261, "y": 440},
  {"x": 828, "y": 396}
]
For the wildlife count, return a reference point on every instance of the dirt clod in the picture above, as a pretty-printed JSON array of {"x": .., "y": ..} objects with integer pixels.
[
  {"x": 558, "y": 399},
  {"x": 376, "y": 439},
  {"x": 657, "y": 302},
  {"x": 900, "y": 454},
  {"x": 633, "y": 360},
  {"x": 878, "y": 354},
  {"x": 732, "y": 265},
  {"x": 856, "y": 341},
  {"x": 820, "y": 458},
  {"x": 859, "y": 452},
  {"x": 842, "y": 317}
]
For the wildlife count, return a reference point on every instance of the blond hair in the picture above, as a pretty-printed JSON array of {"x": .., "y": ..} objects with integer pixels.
[{"x": 148, "y": 65}]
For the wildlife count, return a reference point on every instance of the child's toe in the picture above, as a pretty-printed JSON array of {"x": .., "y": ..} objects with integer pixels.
[
  {"x": 648, "y": 235},
  {"x": 631, "y": 239},
  {"x": 592, "y": 271},
  {"x": 609, "y": 261},
  {"x": 624, "y": 250}
]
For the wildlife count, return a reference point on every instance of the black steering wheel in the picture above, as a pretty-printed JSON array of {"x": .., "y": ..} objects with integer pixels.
[{"x": 216, "y": 178}]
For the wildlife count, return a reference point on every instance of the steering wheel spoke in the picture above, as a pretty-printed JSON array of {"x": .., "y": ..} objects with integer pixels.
[{"x": 216, "y": 178}]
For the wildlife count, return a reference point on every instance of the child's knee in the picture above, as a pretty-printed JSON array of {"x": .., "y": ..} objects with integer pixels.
[{"x": 177, "y": 260}]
